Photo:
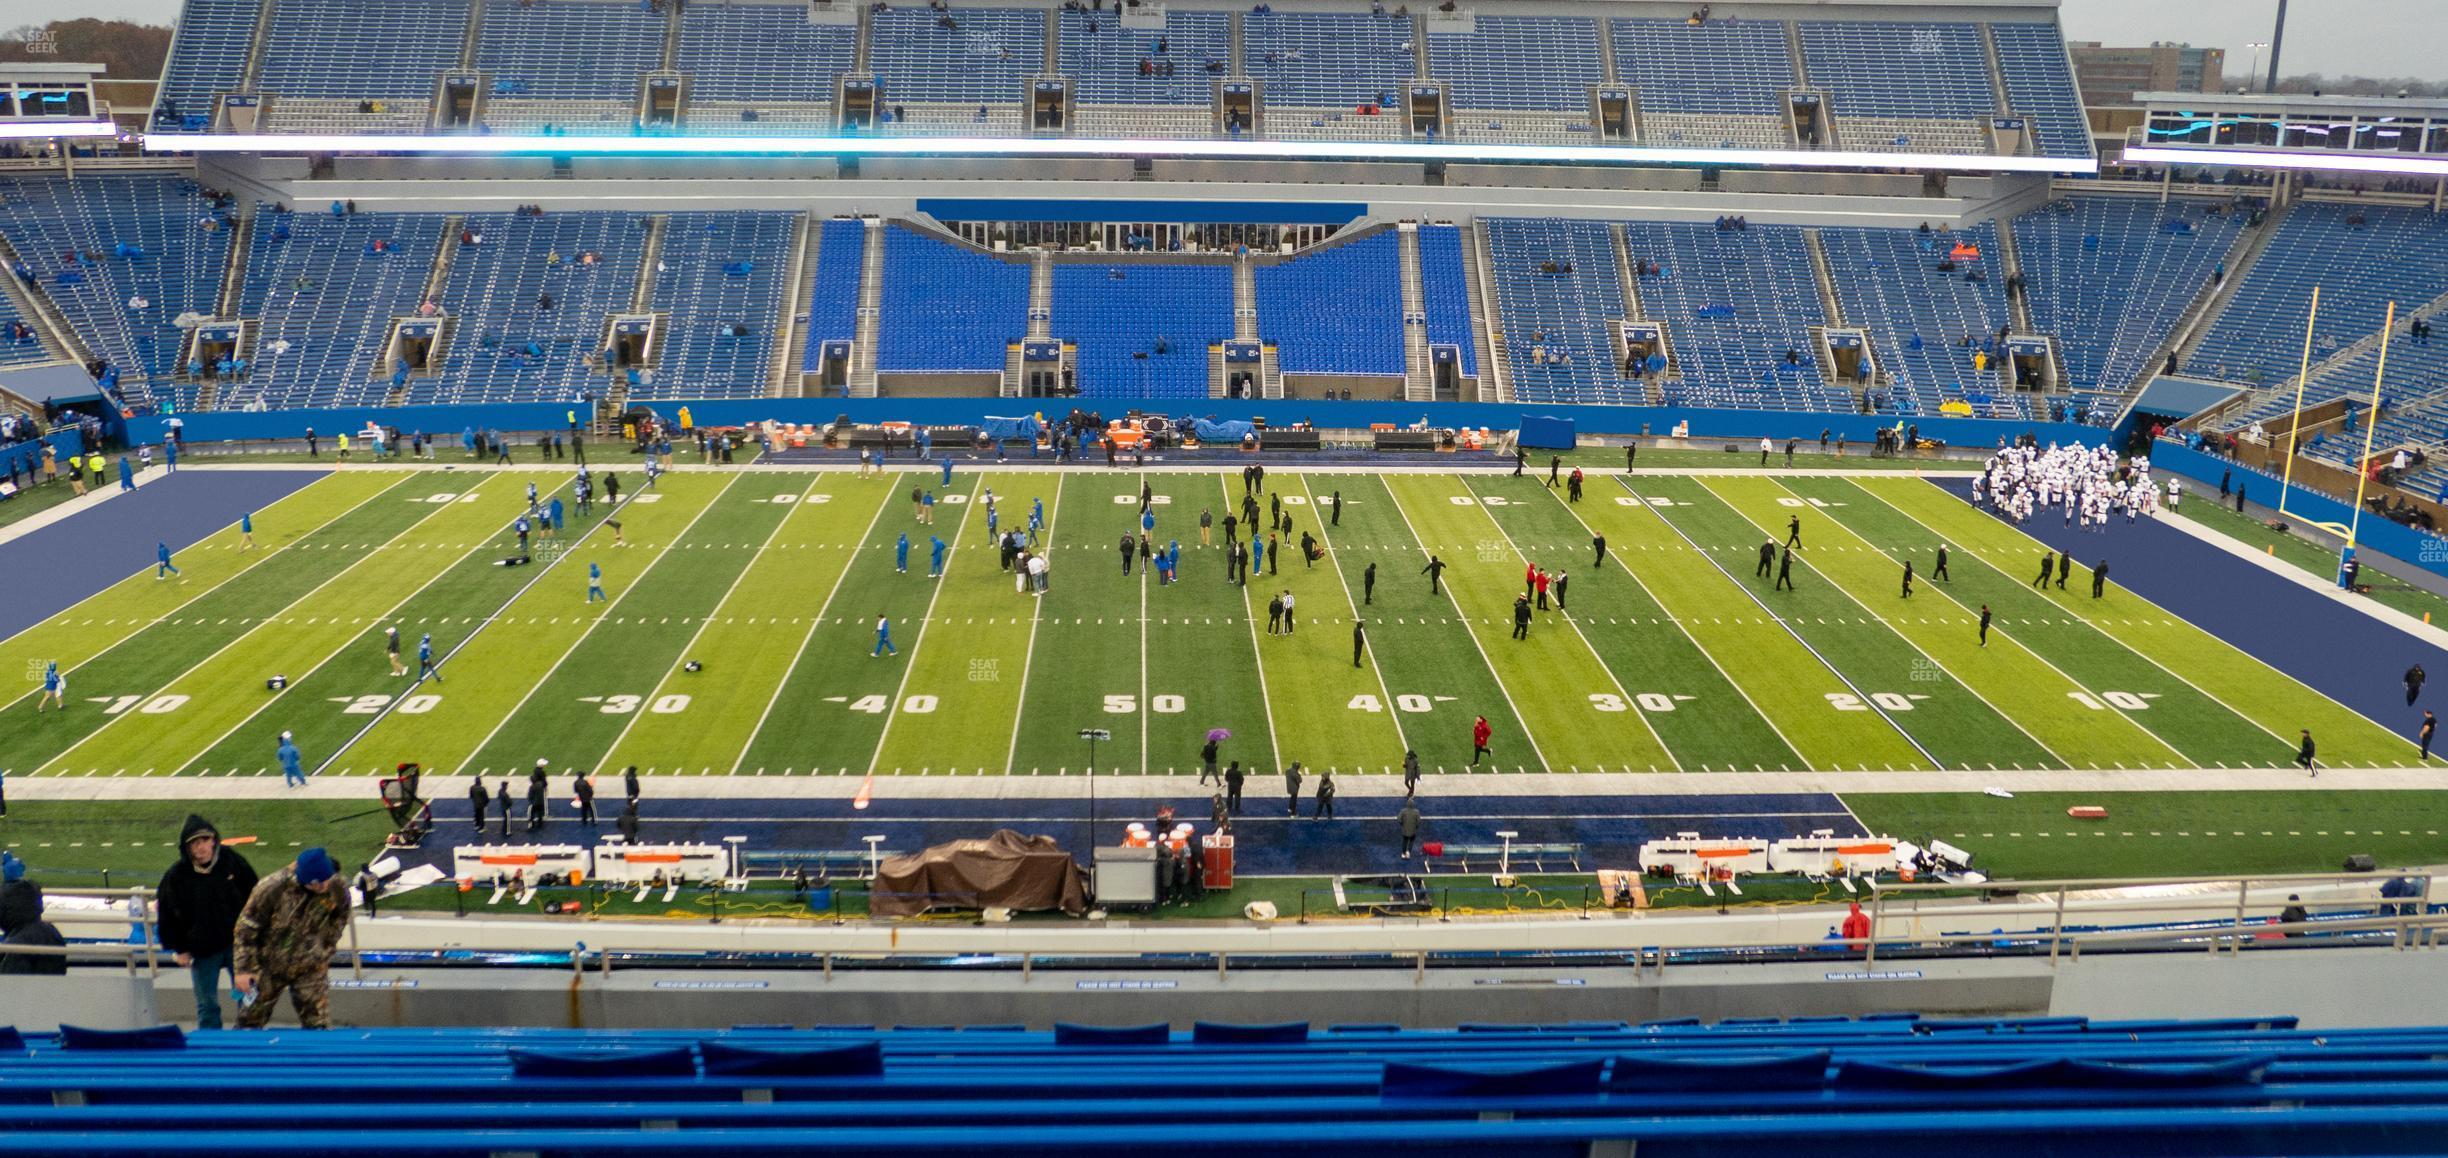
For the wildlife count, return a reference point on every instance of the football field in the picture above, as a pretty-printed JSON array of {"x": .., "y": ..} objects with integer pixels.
[{"x": 1674, "y": 653}]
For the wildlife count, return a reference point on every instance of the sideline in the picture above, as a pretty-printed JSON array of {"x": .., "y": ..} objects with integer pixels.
[{"x": 1185, "y": 784}]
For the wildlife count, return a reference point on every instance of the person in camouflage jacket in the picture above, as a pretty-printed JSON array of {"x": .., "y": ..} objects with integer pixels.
[{"x": 285, "y": 937}]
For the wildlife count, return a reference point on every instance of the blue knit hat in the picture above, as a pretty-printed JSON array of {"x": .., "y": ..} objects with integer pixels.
[
  {"x": 11, "y": 868},
  {"x": 314, "y": 866}
]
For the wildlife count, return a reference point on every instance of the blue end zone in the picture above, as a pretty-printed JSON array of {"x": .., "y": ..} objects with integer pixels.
[
  {"x": 59, "y": 566},
  {"x": 2344, "y": 654},
  {"x": 1362, "y": 839}
]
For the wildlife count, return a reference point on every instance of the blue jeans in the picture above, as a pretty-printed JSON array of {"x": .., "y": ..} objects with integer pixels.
[{"x": 206, "y": 973}]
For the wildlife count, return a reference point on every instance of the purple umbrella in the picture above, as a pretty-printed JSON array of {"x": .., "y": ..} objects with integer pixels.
[{"x": 1219, "y": 733}]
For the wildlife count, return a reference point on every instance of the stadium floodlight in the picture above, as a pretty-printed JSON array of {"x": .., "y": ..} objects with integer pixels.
[
  {"x": 499, "y": 144},
  {"x": 47, "y": 130},
  {"x": 2257, "y": 159}
]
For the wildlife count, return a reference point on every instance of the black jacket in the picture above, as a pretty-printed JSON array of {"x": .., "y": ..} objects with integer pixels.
[
  {"x": 199, "y": 910},
  {"x": 21, "y": 923}
]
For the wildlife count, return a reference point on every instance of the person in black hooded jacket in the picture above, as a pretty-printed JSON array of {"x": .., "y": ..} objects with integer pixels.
[
  {"x": 21, "y": 923},
  {"x": 200, "y": 899}
]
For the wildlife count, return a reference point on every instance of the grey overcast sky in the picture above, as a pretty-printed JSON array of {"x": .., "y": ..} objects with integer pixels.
[
  {"x": 2332, "y": 37},
  {"x": 2335, "y": 37}
]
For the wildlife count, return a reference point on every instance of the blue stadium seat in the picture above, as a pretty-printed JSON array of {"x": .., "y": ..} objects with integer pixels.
[
  {"x": 1902, "y": 70},
  {"x": 1337, "y": 309},
  {"x": 323, "y": 303},
  {"x": 1103, "y": 65},
  {"x": 1119, "y": 314},
  {"x": 567, "y": 62},
  {"x": 757, "y": 53},
  {"x": 833, "y": 286},
  {"x": 2040, "y": 86},
  {"x": 946, "y": 307},
  {"x": 1722, "y": 66},
  {"x": 208, "y": 56},
  {"x": 986, "y": 59},
  {"x": 1446, "y": 293},
  {"x": 2227, "y": 1086},
  {"x": 1918, "y": 318},
  {"x": 2361, "y": 256},
  {"x": 173, "y": 264},
  {"x": 2109, "y": 278},
  {"x": 1519, "y": 62},
  {"x": 359, "y": 49},
  {"x": 1565, "y": 315},
  {"x": 719, "y": 270},
  {"x": 1332, "y": 60},
  {"x": 491, "y": 296},
  {"x": 1735, "y": 302}
]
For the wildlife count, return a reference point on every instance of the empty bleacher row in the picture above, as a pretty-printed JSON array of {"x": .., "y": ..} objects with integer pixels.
[
  {"x": 1926, "y": 327},
  {"x": 947, "y": 307},
  {"x": 579, "y": 66},
  {"x": 1143, "y": 329},
  {"x": 1739, "y": 307},
  {"x": 1336, "y": 310},
  {"x": 833, "y": 286},
  {"x": 1742, "y": 1086},
  {"x": 123, "y": 258},
  {"x": 2110, "y": 277},
  {"x": 1446, "y": 294},
  {"x": 2361, "y": 257}
]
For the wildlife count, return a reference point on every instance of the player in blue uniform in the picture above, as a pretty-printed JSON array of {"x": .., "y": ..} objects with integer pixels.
[
  {"x": 161, "y": 555},
  {"x": 246, "y": 531},
  {"x": 935, "y": 548},
  {"x": 595, "y": 582},
  {"x": 883, "y": 638},
  {"x": 425, "y": 660},
  {"x": 55, "y": 688},
  {"x": 901, "y": 554}
]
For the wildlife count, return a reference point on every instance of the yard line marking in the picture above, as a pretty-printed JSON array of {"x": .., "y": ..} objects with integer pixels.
[
  {"x": 109, "y": 723},
  {"x": 1493, "y": 675},
  {"x": 1748, "y": 593},
  {"x": 798, "y": 504},
  {"x": 2095, "y": 626},
  {"x": 1626, "y": 693},
  {"x": 1257, "y": 656},
  {"x": 2027, "y": 649},
  {"x": 1354, "y": 608},
  {"x": 952, "y": 549},
  {"x": 1036, "y": 618},
  {"x": 470, "y": 637},
  {"x": 1916, "y": 648},
  {"x": 1687, "y": 635},
  {"x": 336, "y": 652},
  {"x": 749, "y": 741},
  {"x": 199, "y": 593}
]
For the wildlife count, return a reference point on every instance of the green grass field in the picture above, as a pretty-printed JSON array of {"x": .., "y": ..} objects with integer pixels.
[{"x": 1674, "y": 655}]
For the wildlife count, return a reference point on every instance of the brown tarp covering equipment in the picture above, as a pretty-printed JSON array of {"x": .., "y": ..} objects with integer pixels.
[{"x": 1007, "y": 870}]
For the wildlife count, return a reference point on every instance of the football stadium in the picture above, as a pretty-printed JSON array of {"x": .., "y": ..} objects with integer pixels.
[{"x": 1541, "y": 576}]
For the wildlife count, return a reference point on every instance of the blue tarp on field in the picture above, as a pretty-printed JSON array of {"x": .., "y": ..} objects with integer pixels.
[
  {"x": 1540, "y": 432},
  {"x": 1212, "y": 431},
  {"x": 1008, "y": 429}
]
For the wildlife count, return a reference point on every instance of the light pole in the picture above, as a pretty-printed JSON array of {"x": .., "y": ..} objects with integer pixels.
[
  {"x": 1092, "y": 735},
  {"x": 2253, "y": 76}
]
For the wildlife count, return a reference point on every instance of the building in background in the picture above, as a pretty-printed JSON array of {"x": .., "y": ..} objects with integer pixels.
[{"x": 2111, "y": 75}]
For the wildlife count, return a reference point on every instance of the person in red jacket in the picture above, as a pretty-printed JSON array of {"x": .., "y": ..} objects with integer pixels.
[
  {"x": 1856, "y": 928},
  {"x": 1479, "y": 738}
]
